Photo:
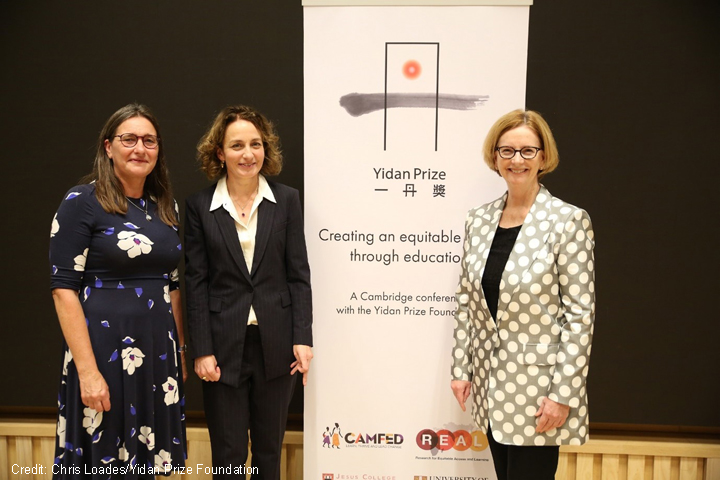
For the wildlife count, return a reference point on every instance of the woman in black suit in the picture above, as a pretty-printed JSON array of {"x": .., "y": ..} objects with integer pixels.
[{"x": 248, "y": 292}]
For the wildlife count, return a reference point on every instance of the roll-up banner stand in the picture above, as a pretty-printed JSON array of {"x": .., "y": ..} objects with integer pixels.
[{"x": 398, "y": 99}]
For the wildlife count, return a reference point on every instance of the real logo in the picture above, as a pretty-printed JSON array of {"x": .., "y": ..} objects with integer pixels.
[{"x": 459, "y": 440}]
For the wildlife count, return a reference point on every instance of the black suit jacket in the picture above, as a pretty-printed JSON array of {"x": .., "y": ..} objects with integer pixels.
[{"x": 220, "y": 290}]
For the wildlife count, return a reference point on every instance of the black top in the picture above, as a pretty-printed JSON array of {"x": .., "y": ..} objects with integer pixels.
[{"x": 500, "y": 250}]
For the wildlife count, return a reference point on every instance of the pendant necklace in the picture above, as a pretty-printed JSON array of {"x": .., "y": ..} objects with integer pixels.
[
  {"x": 242, "y": 210},
  {"x": 144, "y": 210}
]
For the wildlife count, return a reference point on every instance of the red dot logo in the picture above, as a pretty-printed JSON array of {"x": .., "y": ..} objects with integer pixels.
[
  {"x": 463, "y": 440},
  {"x": 412, "y": 69},
  {"x": 446, "y": 440},
  {"x": 426, "y": 439}
]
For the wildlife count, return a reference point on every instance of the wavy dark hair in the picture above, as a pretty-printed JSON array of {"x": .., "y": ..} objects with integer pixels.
[
  {"x": 215, "y": 136},
  {"x": 109, "y": 190}
]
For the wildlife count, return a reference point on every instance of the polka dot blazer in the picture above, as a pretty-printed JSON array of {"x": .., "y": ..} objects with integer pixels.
[{"x": 540, "y": 345}]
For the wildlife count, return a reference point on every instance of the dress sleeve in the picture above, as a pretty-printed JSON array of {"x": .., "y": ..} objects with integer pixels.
[
  {"x": 576, "y": 268},
  {"x": 70, "y": 237},
  {"x": 462, "y": 367}
]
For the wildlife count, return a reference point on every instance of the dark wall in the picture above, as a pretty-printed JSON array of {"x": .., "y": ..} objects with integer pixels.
[
  {"x": 629, "y": 87},
  {"x": 631, "y": 90},
  {"x": 65, "y": 70}
]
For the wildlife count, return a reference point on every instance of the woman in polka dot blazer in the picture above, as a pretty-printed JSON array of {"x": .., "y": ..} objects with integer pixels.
[{"x": 526, "y": 306}]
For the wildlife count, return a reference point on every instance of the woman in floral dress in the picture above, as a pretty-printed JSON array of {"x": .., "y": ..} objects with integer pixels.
[{"x": 114, "y": 251}]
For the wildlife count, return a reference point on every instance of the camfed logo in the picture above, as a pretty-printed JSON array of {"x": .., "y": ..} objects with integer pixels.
[
  {"x": 336, "y": 438},
  {"x": 460, "y": 440},
  {"x": 331, "y": 438}
]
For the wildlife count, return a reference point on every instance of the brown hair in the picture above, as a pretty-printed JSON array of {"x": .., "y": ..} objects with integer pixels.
[
  {"x": 214, "y": 137},
  {"x": 109, "y": 190},
  {"x": 515, "y": 119}
]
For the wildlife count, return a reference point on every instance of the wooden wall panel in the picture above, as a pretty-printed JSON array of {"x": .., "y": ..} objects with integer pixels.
[
  {"x": 712, "y": 469},
  {"x": 689, "y": 469},
  {"x": 585, "y": 466},
  {"x": 603, "y": 458},
  {"x": 564, "y": 469},
  {"x": 4, "y": 467},
  {"x": 605, "y": 466},
  {"x": 661, "y": 468},
  {"x": 610, "y": 467},
  {"x": 636, "y": 467}
]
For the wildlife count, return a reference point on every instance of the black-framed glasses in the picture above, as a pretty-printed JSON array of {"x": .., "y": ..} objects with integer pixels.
[
  {"x": 528, "y": 153},
  {"x": 130, "y": 140}
]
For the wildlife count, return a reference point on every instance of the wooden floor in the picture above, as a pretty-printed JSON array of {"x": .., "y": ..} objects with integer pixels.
[{"x": 605, "y": 457}]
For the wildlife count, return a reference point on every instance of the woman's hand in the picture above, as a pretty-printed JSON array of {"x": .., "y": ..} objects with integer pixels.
[
  {"x": 94, "y": 391},
  {"x": 552, "y": 415},
  {"x": 207, "y": 369},
  {"x": 461, "y": 390},
  {"x": 303, "y": 355}
]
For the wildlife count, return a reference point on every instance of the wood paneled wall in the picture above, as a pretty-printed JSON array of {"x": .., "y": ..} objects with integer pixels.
[
  {"x": 646, "y": 458},
  {"x": 30, "y": 443}
]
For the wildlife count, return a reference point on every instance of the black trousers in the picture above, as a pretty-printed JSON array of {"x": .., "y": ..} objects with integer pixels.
[
  {"x": 514, "y": 462},
  {"x": 259, "y": 406}
]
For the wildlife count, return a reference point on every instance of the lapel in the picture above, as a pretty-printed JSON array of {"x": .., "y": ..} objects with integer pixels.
[
  {"x": 266, "y": 215},
  {"x": 488, "y": 220},
  {"x": 535, "y": 231},
  {"x": 229, "y": 233}
]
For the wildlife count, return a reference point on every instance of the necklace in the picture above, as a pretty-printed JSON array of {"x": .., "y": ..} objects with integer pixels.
[
  {"x": 242, "y": 210},
  {"x": 144, "y": 210}
]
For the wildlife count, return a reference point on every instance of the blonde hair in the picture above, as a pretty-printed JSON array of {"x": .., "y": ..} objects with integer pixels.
[
  {"x": 535, "y": 122},
  {"x": 214, "y": 137}
]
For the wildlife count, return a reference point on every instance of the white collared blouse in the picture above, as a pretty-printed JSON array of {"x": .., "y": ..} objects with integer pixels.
[{"x": 246, "y": 231}]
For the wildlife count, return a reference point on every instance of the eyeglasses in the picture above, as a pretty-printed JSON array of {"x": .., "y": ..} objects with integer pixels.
[
  {"x": 528, "y": 153},
  {"x": 130, "y": 140}
]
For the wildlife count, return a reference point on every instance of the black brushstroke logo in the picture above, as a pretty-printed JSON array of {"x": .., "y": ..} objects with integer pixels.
[{"x": 357, "y": 104}]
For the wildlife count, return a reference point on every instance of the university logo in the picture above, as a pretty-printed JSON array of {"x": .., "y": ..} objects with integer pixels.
[{"x": 328, "y": 476}]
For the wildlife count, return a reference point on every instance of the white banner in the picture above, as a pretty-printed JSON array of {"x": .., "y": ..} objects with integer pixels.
[{"x": 398, "y": 101}]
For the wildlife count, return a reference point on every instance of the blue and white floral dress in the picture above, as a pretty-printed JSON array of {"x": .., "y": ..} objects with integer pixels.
[{"x": 124, "y": 267}]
